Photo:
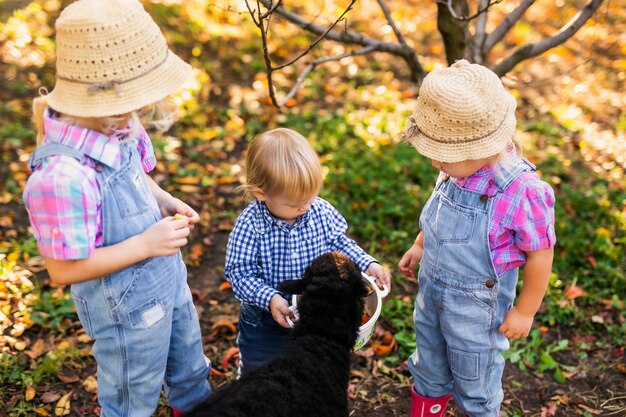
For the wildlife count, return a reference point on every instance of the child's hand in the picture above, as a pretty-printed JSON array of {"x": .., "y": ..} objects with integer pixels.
[
  {"x": 377, "y": 271},
  {"x": 165, "y": 237},
  {"x": 279, "y": 307},
  {"x": 410, "y": 260},
  {"x": 516, "y": 325},
  {"x": 173, "y": 206}
]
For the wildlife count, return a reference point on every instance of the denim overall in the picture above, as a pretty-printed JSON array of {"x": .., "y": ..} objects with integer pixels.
[
  {"x": 142, "y": 317},
  {"x": 461, "y": 300}
]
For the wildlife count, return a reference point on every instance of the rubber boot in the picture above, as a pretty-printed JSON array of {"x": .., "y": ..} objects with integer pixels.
[{"x": 428, "y": 407}]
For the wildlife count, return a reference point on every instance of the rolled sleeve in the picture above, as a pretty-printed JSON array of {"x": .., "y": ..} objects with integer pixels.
[
  {"x": 63, "y": 209},
  {"x": 534, "y": 219}
]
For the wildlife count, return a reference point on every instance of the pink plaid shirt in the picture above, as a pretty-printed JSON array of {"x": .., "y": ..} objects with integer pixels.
[
  {"x": 62, "y": 196},
  {"x": 522, "y": 219}
]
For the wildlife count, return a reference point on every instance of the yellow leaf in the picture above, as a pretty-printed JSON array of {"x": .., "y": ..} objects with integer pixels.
[
  {"x": 83, "y": 338},
  {"x": 13, "y": 257},
  {"x": 63, "y": 345},
  {"x": 30, "y": 393},
  {"x": 63, "y": 405},
  {"x": 41, "y": 411},
  {"x": 90, "y": 384}
]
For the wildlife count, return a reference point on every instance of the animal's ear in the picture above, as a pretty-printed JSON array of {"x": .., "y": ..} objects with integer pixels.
[{"x": 291, "y": 286}]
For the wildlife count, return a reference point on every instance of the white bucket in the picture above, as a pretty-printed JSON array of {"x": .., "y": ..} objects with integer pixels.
[{"x": 373, "y": 304}]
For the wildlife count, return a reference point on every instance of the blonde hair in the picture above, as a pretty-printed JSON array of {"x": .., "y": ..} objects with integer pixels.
[
  {"x": 282, "y": 162},
  {"x": 160, "y": 116}
]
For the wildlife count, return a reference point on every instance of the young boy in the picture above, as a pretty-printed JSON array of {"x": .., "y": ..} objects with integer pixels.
[{"x": 277, "y": 236}]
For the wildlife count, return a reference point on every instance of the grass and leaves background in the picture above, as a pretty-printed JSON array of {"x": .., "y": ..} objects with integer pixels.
[{"x": 572, "y": 123}]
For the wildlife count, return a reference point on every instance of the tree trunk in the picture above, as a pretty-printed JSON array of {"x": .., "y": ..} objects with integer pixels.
[{"x": 455, "y": 32}]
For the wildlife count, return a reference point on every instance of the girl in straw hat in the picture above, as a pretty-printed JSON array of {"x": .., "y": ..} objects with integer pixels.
[
  {"x": 102, "y": 224},
  {"x": 488, "y": 215}
]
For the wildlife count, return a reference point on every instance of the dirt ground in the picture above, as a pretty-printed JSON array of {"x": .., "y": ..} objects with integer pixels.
[{"x": 597, "y": 388}]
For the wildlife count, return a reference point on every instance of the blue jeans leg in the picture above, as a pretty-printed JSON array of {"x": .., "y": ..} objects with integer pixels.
[
  {"x": 187, "y": 370},
  {"x": 260, "y": 338}
]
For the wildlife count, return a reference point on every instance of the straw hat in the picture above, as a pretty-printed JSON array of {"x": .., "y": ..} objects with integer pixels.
[
  {"x": 111, "y": 59},
  {"x": 463, "y": 113}
]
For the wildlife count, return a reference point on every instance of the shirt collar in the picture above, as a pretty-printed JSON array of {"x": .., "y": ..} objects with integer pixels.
[{"x": 96, "y": 145}]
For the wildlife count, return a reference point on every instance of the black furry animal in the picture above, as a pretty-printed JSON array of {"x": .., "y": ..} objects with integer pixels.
[{"x": 310, "y": 378}]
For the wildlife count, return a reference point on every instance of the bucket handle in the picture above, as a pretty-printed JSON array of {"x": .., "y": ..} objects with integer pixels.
[{"x": 384, "y": 292}]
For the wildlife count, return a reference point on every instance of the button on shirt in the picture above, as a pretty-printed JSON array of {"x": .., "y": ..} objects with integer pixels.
[
  {"x": 62, "y": 195},
  {"x": 263, "y": 251},
  {"x": 522, "y": 216}
]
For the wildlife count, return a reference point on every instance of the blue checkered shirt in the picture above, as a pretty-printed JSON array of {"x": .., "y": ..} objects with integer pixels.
[{"x": 262, "y": 250}]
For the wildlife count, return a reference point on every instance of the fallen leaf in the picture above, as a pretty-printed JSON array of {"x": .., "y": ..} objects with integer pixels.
[
  {"x": 225, "y": 286},
  {"x": 196, "y": 251},
  {"x": 41, "y": 411},
  {"x": 231, "y": 354},
  {"x": 30, "y": 393},
  {"x": 62, "y": 408},
  {"x": 36, "y": 350},
  {"x": 574, "y": 291},
  {"x": 90, "y": 384},
  {"x": 49, "y": 397},
  {"x": 68, "y": 376},
  {"x": 223, "y": 324}
]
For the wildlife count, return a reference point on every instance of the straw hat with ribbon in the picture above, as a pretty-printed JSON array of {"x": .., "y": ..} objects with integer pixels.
[
  {"x": 111, "y": 59},
  {"x": 463, "y": 113}
]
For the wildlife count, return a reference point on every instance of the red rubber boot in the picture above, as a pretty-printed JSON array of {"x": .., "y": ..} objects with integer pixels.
[{"x": 428, "y": 407}]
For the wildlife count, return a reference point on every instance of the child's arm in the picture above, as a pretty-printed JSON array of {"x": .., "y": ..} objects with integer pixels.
[
  {"x": 412, "y": 257},
  {"x": 163, "y": 238},
  {"x": 519, "y": 319},
  {"x": 169, "y": 205}
]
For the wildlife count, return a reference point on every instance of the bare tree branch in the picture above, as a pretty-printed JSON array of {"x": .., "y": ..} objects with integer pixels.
[
  {"x": 303, "y": 76},
  {"x": 533, "y": 49},
  {"x": 479, "y": 34},
  {"x": 480, "y": 10},
  {"x": 506, "y": 25},
  {"x": 318, "y": 40},
  {"x": 387, "y": 14},
  {"x": 350, "y": 37}
]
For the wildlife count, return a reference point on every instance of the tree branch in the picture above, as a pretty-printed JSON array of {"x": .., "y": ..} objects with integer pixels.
[
  {"x": 315, "y": 63},
  {"x": 533, "y": 49},
  {"x": 479, "y": 35},
  {"x": 474, "y": 16},
  {"x": 387, "y": 14},
  {"x": 350, "y": 37},
  {"x": 506, "y": 25},
  {"x": 318, "y": 40}
]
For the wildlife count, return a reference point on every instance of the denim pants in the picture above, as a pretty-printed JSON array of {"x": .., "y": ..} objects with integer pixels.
[
  {"x": 461, "y": 301},
  {"x": 260, "y": 338},
  {"x": 142, "y": 318}
]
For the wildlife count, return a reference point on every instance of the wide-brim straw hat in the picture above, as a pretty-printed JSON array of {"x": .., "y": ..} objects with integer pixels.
[
  {"x": 111, "y": 59},
  {"x": 463, "y": 113}
]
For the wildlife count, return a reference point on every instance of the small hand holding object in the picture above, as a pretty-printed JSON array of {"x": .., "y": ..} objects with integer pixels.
[
  {"x": 381, "y": 275},
  {"x": 165, "y": 237},
  {"x": 279, "y": 307},
  {"x": 410, "y": 260},
  {"x": 516, "y": 325},
  {"x": 176, "y": 207}
]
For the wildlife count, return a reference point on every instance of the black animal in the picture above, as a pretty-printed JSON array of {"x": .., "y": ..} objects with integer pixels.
[{"x": 310, "y": 378}]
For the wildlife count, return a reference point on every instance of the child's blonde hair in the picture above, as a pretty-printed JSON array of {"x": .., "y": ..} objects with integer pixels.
[
  {"x": 160, "y": 116},
  {"x": 282, "y": 162}
]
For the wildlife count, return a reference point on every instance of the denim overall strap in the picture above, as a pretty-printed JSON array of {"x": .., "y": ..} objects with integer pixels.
[
  {"x": 142, "y": 317},
  {"x": 461, "y": 301},
  {"x": 508, "y": 171},
  {"x": 52, "y": 148}
]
